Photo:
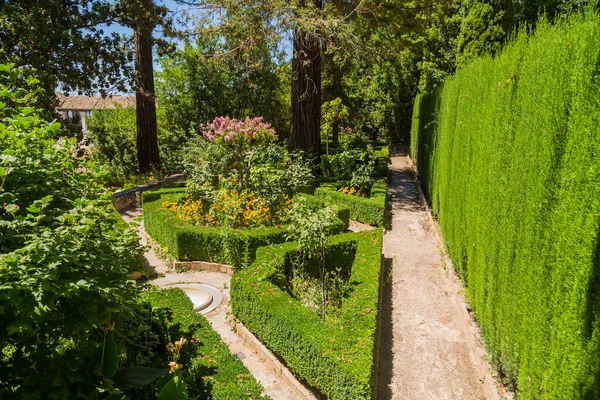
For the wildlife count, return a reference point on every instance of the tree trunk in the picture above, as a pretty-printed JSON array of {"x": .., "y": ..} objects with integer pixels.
[
  {"x": 335, "y": 134},
  {"x": 306, "y": 92},
  {"x": 145, "y": 100}
]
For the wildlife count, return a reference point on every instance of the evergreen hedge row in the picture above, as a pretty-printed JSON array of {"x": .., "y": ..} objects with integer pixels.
[
  {"x": 185, "y": 241},
  {"x": 209, "y": 367},
  {"x": 508, "y": 151},
  {"x": 334, "y": 356},
  {"x": 369, "y": 210}
]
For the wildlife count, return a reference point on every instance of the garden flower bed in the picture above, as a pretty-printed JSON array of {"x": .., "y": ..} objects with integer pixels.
[
  {"x": 334, "y": 355},
  {"x": 183, "y": 240}
]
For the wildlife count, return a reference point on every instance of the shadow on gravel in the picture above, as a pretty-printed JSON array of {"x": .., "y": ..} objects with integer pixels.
[
  {"x": 403, "y": 191},
  {"x": 385, "y": 359}
]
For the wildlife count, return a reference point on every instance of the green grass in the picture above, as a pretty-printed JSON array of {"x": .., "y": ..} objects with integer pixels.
[
  {"x": 508, "y": 151},
  {"x": 335, "y": 355}
]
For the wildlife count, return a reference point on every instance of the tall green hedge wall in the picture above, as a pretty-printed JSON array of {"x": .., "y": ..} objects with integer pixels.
[{"x": 508, "y": 151}]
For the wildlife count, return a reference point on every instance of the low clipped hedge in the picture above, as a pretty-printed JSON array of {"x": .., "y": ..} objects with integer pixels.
[
  {"x": 369, "y": 210},
  {"x": 209, "y": 366},
  {"x": 185, "y": 241},
  {"x": 335, "y": 356}
]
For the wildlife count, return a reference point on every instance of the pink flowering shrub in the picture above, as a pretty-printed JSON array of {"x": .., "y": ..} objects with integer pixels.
[{"x": 241, "y": 140}]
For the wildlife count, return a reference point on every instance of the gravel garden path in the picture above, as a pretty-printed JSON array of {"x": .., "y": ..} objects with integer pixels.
[
  {"x": 219, "y": 318},
  {"x": 429, "y": 345}
]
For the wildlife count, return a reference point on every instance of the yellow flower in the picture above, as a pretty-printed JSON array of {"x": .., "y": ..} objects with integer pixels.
[{"x": 174, "y": 366}]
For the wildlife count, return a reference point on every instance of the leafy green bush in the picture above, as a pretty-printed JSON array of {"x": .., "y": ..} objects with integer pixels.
[
  {"x": 185, "y": 241},
  {"x": 209, "y": 369},
  {"x": 112, "y": 144},
  {"x": 369, "y": 211},
  {"x": 508, "y": 153},
  {"x": 112, "y": 138},
  {"x": 239, "y": 176},
  {"x": 335, "y": 355},
  {"x": 64, "y": 258}
]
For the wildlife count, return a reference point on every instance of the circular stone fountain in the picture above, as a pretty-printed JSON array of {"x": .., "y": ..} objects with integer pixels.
[{"x": 204, "y": 297}]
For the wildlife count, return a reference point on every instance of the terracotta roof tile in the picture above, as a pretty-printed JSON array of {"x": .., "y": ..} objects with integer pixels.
[{"x": 84, "y": 103}]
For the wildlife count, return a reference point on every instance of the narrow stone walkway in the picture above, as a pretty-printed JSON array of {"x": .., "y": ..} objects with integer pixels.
[
  {"x": 430, "y": 348},
  {"x": 220, "y": 318}
]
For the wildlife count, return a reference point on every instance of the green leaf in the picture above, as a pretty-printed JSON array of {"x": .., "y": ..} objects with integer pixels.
[
  {"x": 175, "y": 389},
  {"x": 136, "y": 377},
  {"x": 110, "y": 361}
]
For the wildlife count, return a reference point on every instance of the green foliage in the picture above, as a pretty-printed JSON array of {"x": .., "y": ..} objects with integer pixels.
[
  {"x": 311, "y": 230},
  {"x": 112, "y": 145},
  {"x": 67, "y": 47},
  {"x": 335, "y": 355},
  {"x": 210, "y": 78},
  {"x": 210, "y": 370},
  {"x": 483, "y": 30},
  {"x": 241, "y": 179},
  {"x": 507, "y": 151},
  {"x": 64, "y": 258},
  {"x": 486, "y": 25},
  {"x": 185, "y": 241},
  {"x": 112, "y": 138},
  {"x": 369, "y": 211},
  {"x": 46, "y": 37}
]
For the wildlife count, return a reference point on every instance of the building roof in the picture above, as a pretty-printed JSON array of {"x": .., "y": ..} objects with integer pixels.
[{"x": 87, "y": 103}]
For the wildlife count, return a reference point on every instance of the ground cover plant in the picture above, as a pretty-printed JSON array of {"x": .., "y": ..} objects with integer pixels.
[
  {"x": 507, "y": 151},
  {"x": 335, "y": 354}
]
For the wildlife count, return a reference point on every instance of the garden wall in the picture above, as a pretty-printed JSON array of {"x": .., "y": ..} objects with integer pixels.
[{"x": 508, "y": 152}]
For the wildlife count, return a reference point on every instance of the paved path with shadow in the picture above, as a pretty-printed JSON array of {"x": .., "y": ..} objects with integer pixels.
[{"x": 429, "y": 346}]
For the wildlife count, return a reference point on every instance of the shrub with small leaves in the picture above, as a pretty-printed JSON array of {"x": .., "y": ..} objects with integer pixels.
[{"x": 65, "y": 255}]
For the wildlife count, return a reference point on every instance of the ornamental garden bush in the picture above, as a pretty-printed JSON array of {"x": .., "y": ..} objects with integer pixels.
[
  {"x": 335, "y": 355},
  {"x": 184, "y": 240},
  {"x": 357, "y": 178},
  {"x": 64, "y": 258}
]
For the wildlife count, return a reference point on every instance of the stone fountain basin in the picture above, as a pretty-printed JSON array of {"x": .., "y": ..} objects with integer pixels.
[{"x": 204, "y": 297}]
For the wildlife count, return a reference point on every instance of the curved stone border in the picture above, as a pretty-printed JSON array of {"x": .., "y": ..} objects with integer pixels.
[
  {"x": 215, "y": 300},
  {"x": 132, "y": 197}
]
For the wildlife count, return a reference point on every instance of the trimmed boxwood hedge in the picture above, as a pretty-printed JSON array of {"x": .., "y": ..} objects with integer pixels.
[
  {"x": 369, "y": 211},
  {"x": 334, "y": 356},
  {"x": 185, "y": 241},
  {"x": 508, "y": 151},
  {"x": 209, "y": 365}
]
